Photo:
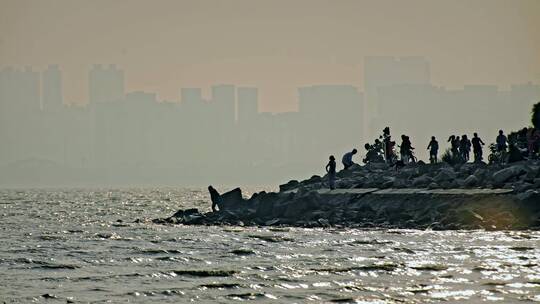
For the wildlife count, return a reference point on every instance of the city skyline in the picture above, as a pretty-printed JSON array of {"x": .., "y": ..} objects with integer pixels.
[
  {"x": 132, "y": 137},
  {"x": 277, "y": 47}
]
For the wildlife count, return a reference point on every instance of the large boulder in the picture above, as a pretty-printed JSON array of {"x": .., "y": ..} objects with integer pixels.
[
  {"x": 501, "y": 176},
  {"x": 422, "y": 181},
  {"x": 289, "y": 186},
  {"x": 471, "y": 181},
  {"x": 232, "y": 200},
  {"x": 445, "y": 174},
  {"x": 300, "y": 206}
]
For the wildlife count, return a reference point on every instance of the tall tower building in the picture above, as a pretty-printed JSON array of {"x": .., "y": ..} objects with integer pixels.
[
  {"x": 190, "y": 95},
  {"x": 51, "y": 86},
  {"x": 247, "y": 105},
  {"x": 105, "y": 84},
  {"x": 223, "y": 98},
  {"x": 384, "y": 71}
]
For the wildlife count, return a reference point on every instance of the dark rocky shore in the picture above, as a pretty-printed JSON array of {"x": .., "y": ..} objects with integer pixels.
[{"x": 418, "y": 196}]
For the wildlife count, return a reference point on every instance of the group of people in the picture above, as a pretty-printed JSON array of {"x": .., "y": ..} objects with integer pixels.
[
  {"x": 461, "y": 147},
  {"x": 383, "y": 151}
]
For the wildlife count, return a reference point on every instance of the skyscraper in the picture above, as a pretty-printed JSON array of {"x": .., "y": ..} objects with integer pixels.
[
  {"x": 383, "y": 71},
  {"x": 190, "y": 95},
  {"x": 223, "y": 99},
  {"x": 247, "y": 105},
  {"x": 51, "y": 86},
  {"x": 105, "y": 84}
]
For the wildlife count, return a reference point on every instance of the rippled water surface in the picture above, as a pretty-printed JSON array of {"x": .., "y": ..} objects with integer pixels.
[{"x": 84, "y": 246}]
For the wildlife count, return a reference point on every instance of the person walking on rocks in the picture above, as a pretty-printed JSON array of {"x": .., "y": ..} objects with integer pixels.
[
  {"x": 331, "y": 170},
  {"x": 477, "y": 144},
  {"x": 347, "y": 159},
  {"x": 215, "y": 197},
  {"x": 433, "y": 148}
]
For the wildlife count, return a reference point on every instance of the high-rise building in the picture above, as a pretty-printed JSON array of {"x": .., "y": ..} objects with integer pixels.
[
  {"x": 333, "y": 113},
  {"x": 383, "y": 71},
  {"x": 51, "y": 86},
  {"x": 223, "y": 99},
  {"x": 105, "y": 84},
  {"x": 190, "y": 95},
  {"x": 247, "y": 105}
]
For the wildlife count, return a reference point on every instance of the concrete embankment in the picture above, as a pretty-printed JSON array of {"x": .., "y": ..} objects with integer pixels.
[
  {"x": 368, "y": 208},
  {"x": 468, "y": 196}
]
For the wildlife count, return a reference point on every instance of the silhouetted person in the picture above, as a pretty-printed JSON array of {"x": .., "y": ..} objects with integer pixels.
[
  {"x": 454, "y": 145},
  {"x": 533, "y": 141},
  {"x": 215, "y": 197},
  {"x": 347, "y": 159},
  {"x": 457, "y": 145},
  {"x": 331, "y": 170},
  {"x": 477, "y": 144},
  {"x": 373, "y": 153},
  {"x": 514, "y": 154},
  {"x": 406, "y": 149},
  {"x": 388, "y": 146},
  {"x": 378, "y": 146},
  {"x": 501, "y": 141},
  {"x": 433, "y": 148},
  {"x": 465, "y": 148}
]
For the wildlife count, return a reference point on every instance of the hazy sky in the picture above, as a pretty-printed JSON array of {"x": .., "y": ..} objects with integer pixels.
[{"x": 274, "y": 45}]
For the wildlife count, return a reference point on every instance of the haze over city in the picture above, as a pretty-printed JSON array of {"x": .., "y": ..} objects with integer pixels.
[{"x": 166, "y": 92}]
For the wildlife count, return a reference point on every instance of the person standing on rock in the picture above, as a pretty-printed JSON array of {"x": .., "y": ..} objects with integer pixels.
[
  {"x": 406, "y": 150},
  {"x": 433, "y": 148},
  {"x": 465, "y": 148},
  {"x": 347, "y": 159},
  {"x": 477, "y": 144},
  {"x": 388, "y": 146},
  {"x": 501, "y": 142},
  {"x": 454, "y": 145},
  {"x": 331, "y": 170}
]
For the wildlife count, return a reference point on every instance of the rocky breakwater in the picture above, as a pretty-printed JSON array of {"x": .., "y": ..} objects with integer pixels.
[{"x": 419, "y": 196}]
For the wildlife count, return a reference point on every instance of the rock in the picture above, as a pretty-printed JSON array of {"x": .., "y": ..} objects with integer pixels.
[
  {"x": 445, "y": 174},
  {"x": 536, "y": 183},
  {"x": 323, "y": 222},
  {"x": 387, "y": 184},
  {"x": 480, "y": 173},
  {"x": 471, "y": 181},
  {"x": 523, "y": 186},
  {"x": 377, "y": 166},
  {"x": 49, "y": 296},
  {"x": 314, "y": 179},
  {"x": 433, "y": 186},
  {"x": 181, "y": 213},
  {"x": 231, "y": 200},
  {"x": 345, "y": 183},
  {"x": 297, "y": 207},
  {"x": 501, "y": 176},
  {"x": 355, "y": 167},
  {"x": 526, "y": 195},
  {"x": 406, "y": 173},
  {"x": 272, "y": 222},
  {"x": 422, "y": 181},
  {"x": 401, "y": 183},
  {"x": 193, "y": 219},
  {"x": 265, "y": 203},
  {"x": 289, "y": 186}
]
